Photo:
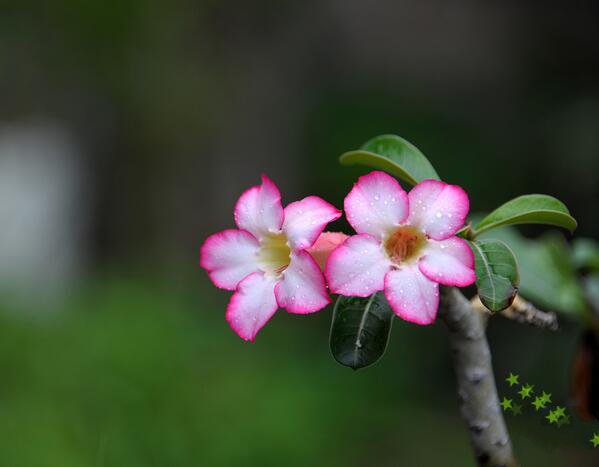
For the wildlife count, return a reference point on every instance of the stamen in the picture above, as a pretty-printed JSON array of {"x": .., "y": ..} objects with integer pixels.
[{"x": 405, "y": 244}]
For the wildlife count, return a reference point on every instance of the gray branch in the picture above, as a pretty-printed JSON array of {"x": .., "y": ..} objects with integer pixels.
[
  {"x": 524, "y": 312},
  {"x": 477, "y": 392}
]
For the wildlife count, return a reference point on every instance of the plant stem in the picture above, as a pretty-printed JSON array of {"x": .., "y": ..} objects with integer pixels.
[{"x": 477, "y": 392}]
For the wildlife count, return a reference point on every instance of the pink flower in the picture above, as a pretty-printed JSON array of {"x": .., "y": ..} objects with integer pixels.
[
  {"x": 406, "y": 245},
  {"x": 266, "y": 261}
]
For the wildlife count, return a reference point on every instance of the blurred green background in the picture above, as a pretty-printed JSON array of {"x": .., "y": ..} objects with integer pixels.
[{"x": 129, "y": 129}]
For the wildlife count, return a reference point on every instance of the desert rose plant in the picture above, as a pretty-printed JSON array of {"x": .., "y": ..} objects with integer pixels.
[{"x": 410, "y": 253}]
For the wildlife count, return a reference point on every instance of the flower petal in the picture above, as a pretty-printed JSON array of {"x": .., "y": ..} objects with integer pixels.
[
  {"x": 252, "y": 305},
  {"x": 259, "y": 209},
  {"x": 437, "y": 208},
  {"x": 376, "y": 204},
  {"x": 357, "y": 267},
  {"x": 412, "y": 296},
  {"x": 306, "y": 219},
  {"x": 302, "y": 289},
  {"x": 324, "y": 245},
  {"x": 448, "y": 262},
  {"x": 229, "y": 256}
]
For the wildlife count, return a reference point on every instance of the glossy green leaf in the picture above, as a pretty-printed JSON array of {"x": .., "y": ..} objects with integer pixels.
[
  {"x": 360, "y": 330},
  {"x": 394, "y": 155},
  {"x": 497, "y": 277},
  {"x": 528, "y": 209},
  {"x": 547, "y": 274}
]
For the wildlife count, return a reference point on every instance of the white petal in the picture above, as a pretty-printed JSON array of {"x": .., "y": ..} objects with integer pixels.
[
  {"x": 259, "y": 209},
  {"x": 412, "y": 295},
  {"x": 448, "y": 262},
  {"x": 252, "y": 305},
  {"x": 357, "y": 267},
  {"x": 229, "y": 256},
  {"x": 376, "y": 204},
  {"x": 302, "y": 289},
  {"x": 306, "y": 219},
  {"x": 438, "y": 209}
]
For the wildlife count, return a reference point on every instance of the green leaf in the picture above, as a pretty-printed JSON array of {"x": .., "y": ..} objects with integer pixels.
[
  {"x": 497, "y": 277},
  {"x": 360, "y": 329},
  {"x": 585, "y": 254},
  {"x": 394, "y": 155},
  {"x": 528, "y": 209}
]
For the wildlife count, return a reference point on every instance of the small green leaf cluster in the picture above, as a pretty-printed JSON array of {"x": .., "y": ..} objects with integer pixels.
[{"x": 361, "y": 327}]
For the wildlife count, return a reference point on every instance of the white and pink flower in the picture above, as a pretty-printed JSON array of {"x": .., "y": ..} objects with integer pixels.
[
  {"x": 265, "y": 261},
  {"x": 406, "y": 245}
]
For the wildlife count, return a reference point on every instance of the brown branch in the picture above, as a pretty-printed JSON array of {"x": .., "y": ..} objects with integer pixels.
[
  {"x": 524, "y": 312},
  {"x": 477, "y": 392}
]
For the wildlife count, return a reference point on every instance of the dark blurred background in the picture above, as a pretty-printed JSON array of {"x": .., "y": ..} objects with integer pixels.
[{"x": 128, "y": 129}]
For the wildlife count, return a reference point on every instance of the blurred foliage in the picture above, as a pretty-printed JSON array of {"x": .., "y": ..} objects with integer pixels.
[
  {"x": 552, "y": 272},
  {"x": 139, "y": 373},
  {"x": 131, "y": 376},
  {"x": 585, "y": 254}
]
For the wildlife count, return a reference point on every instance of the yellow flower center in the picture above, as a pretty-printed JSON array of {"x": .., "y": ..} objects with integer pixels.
[
  {"x": 274, "y": 255},
  {"x": 404, "y": 244}
]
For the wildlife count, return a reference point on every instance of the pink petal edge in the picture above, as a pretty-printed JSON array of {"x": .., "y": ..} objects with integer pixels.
[
  {"x": 303, "y": 289},
  {"x": 437, "y": 208},
  {"x": 448, "y": 262},
  {"x": 252, "y": 306},
  {"x": 357, "y": 267},
  {"x": 376, "y": 204},
  {"x": 306, "y": 219},
  {"x": 258, "y": 210},
  {"x": 228, "y": 257},
  {"x": 412, "y": 296}
]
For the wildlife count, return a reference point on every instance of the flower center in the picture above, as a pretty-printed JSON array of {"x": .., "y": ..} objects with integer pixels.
[
  {"x": 405, "y": 244},
  {"x": 274, "y": 255}
]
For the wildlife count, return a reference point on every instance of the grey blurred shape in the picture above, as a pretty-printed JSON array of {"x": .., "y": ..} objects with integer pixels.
[{"x": 42, "y": 212}]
